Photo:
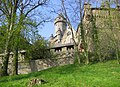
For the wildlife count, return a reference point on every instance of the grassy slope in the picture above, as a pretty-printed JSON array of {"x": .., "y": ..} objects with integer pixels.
[{"x": 95, "y": 75}]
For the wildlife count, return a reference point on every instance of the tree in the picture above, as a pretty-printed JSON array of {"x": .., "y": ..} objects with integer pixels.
[
  {"x": 107, "y": 31},
  {"x": 39, "y": 49},
  {"x": 73, "y": 10},
  {"x": 89, "y": 36},
  {"x": 115, "y": 29},
  {"x": 15, "y": 14}
]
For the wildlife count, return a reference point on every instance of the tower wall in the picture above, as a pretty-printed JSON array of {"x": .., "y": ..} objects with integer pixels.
[{"x": 60, "y": 27}]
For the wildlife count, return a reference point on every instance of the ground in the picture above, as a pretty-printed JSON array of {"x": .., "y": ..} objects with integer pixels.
[{"x": 105, "y": 74}]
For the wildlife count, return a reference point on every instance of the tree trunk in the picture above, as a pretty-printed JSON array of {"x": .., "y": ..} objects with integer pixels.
[
  {"x": 6, "y": 57},
  {"x": 5, "y": 64},
  {"x": 86, "y": 55},
  {"x": 1, "y": 70},
  {"x": 15, "y": 63},
  {"x": 77, "y": 56},
  {"x": 117, "y": 56}
]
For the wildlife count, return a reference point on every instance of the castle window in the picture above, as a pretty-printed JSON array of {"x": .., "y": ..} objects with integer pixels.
[{"x": 69, "y": 33}]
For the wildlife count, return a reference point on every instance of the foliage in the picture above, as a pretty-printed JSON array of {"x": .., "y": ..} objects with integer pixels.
[
  {"x": 40, "y": 49},
  {"x": 99, "y": 43},
  {"x": 16, "y": 17}
]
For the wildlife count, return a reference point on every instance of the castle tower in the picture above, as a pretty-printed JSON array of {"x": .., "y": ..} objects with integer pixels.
[{"x": 60, "y": 27}]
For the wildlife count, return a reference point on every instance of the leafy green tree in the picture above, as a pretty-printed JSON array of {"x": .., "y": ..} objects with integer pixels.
[
  {"x": 15, "y": 14},
  {"x": 40, "y": 49}
]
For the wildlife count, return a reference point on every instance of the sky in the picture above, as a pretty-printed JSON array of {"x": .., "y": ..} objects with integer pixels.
[
  {"x": 48, "y": 27},
  {"x": 47, "y": 30}
]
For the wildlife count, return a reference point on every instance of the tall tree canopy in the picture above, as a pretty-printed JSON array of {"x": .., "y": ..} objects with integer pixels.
[{"x": 18, "y": 18}]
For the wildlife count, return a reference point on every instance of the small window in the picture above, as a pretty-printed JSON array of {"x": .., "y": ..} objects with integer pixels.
[{"x": 69, "y": 33}]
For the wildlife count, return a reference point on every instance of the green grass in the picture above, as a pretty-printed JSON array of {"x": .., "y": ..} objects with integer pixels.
[{"x": 96, "y": 75}]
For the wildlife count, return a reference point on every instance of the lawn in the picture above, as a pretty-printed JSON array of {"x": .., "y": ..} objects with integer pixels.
[{"x": 105, "y": 74}]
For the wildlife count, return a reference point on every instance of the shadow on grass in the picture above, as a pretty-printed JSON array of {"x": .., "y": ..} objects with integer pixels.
[
  {"x": 66, "y": 69},
  {"x": 19, "y": 77}
]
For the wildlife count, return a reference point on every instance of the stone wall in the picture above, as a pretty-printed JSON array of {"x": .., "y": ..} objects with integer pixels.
[{"x": 40, "y": 64}]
